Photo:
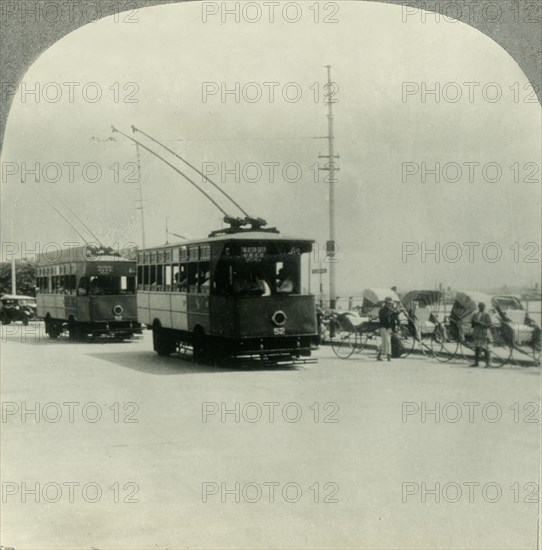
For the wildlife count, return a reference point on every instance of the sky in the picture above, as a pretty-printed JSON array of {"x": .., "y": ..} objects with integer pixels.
[{"x": 151, "y": 74}]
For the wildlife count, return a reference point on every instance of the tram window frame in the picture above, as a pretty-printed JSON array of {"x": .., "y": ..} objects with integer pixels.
[
  {"x": 192, "y": 274},
  {"x": 204, "y": 267},
  {"x": 175, "y": 277},
  {"x": 146, "y": 277},
  {"x": 168, "y": 277},
  {"x": 139, "y": 277},
  {"x": 152, "y": 277},
  {"x": 182, "y": 284},
  {"x": 160, "y": 276}
]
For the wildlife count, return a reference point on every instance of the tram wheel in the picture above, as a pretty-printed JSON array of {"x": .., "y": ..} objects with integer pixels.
[
  {"x": 52, "y": 331},
  {"x": 74, "y": 331},
  {"x": 199, "y": 347},
  {"x": 162, "y": 345}
]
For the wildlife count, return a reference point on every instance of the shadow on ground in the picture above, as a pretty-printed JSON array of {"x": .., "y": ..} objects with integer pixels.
[{"x": 150, "y": 363}]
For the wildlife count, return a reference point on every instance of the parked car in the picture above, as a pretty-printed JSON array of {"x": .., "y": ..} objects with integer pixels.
[
  {"x": 523, "y": 328},
  {"x": 17, "y": 308}
]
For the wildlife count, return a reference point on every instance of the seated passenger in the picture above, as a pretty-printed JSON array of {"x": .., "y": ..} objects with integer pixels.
[
  {"x": 285, "y": 281},
  {"x": 95, "y": 289}
]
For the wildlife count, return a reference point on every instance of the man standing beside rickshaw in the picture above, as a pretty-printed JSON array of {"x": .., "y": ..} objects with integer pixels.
[
  {"x": 481, "y": 322},
  {"x": 387, "y": 317}
]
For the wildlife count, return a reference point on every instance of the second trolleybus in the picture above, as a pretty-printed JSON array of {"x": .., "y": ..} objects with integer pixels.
[{"x": 90, "y": 291}]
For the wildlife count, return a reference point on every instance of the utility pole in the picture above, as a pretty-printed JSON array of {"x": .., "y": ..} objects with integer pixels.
[
  {"x": 13, "y": 269},
  {"x": 140, "y": 200},
  {"x": 331, "y": 168}
]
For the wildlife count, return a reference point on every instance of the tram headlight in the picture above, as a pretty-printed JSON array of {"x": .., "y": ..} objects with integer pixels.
[
  {"x": 118, "y": 310},
  {"x": 279, "y": 318}
]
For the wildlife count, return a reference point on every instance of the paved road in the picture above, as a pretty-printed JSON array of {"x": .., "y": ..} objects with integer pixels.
[{"x": 130, "y": 450}]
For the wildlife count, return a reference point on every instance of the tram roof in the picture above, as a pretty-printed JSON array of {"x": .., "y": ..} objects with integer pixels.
[
  {"x": 240, "y": 236},
  {"x": 16, "y": 297},
  {"x": 80, "y": 254}
]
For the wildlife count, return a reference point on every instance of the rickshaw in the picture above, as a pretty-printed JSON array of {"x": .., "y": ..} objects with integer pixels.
[
  {"x": 421, "y": 307},
  {"x": 17, "y": 308},
  {"x": 458, "y": 339},
  {"x": 359, "y": 332}
]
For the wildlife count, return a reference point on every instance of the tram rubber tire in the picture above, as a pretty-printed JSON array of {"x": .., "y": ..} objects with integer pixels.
[
  {"x": 52, "y": 331},
  {"x": 161, "y": 344},
  {"x": 74, "y": 331},
  {"x": 199, "y": 347}
]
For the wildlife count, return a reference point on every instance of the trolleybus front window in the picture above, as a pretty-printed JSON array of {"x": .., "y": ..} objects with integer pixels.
[
  {"x": 271, "y": 274},
  {"x": 106, "y": 285}
]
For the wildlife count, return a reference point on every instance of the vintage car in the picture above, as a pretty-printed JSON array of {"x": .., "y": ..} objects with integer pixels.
[
  {"x": 514, "y": 315},
  {"x": 17, "y": 308}
]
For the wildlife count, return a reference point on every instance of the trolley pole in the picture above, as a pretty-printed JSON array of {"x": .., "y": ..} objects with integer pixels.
[{"x": 330, "y": 245}]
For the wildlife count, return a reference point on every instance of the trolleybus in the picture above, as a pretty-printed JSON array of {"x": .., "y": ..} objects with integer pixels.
[
  {"x": 90, "y": 291},
  {"x": 236, "y": 293}
]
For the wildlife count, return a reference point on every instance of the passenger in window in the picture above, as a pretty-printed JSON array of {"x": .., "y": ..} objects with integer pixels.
[
  {"x": 95, "y": 289},
  {"x": 180, "y": 285},
  {"x": 263, "y": 286},
  {"x": 205, "y": 281},
  {"x": 285, "y": 280}
]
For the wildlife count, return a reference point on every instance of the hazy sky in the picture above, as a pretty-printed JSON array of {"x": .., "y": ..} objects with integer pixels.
[{"x": 170, "y": 52}]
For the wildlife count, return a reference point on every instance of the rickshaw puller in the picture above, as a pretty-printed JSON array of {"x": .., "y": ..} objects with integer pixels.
[
  {"x": 481, "y": 321},
  {"x": 388, "y": 320}
]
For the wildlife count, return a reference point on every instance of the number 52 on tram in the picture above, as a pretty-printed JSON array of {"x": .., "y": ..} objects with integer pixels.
[{"x": 230, "y": 295}]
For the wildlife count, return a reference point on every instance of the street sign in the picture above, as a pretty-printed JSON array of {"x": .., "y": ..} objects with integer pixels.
[{"x": 320, "y": 270}]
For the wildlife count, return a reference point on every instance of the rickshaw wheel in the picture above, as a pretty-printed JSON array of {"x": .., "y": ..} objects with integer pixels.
[
  {"x": 408, "y": 341},
  {"x": 442, "y": 348},
  {"x": 344, "y": 344}
]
